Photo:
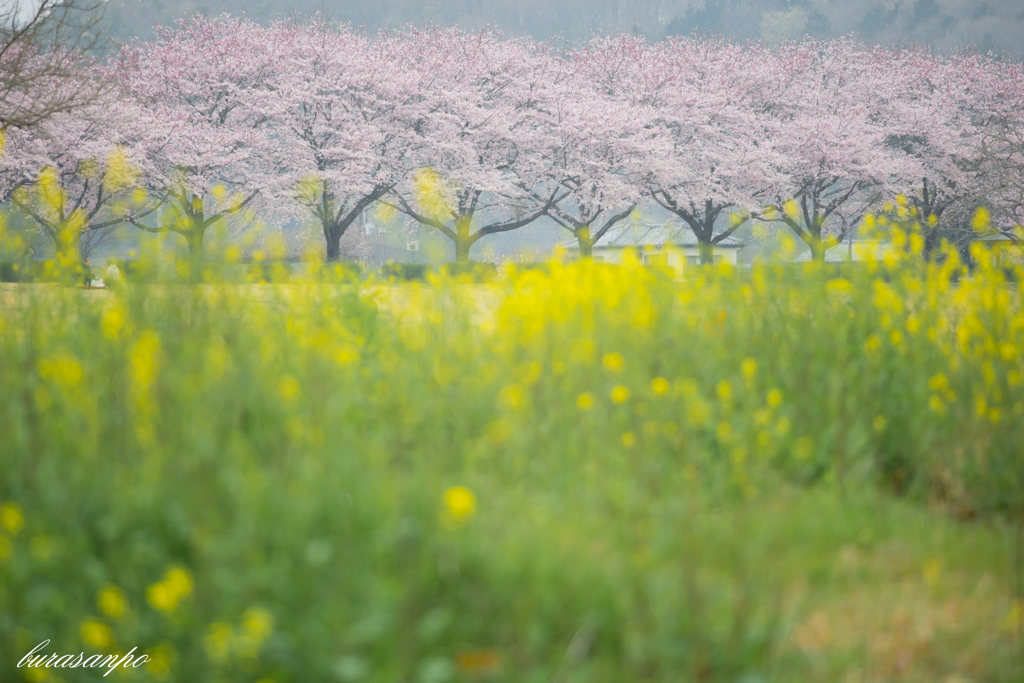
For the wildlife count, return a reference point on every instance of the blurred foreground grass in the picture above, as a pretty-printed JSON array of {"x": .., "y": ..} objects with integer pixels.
[{"x": 589, "y": 473}]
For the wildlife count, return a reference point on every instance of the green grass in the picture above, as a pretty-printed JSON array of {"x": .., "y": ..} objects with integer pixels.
[{"x": 260, "y": 473}]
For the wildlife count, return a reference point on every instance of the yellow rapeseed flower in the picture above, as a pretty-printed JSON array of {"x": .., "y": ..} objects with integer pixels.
[
  {"x": 980, "y": 405},
  {"x": 112, "y": 322},
  {"x": 749, "y": 368},
  {"x": 167, "y": 593},
  {"x": 724, "y": 431},
  {"x": 112, "y": 601},
  {"x": 774, "y": 398},
  {"x": 160, "y": 596},
  {"x": 11, "y": 518},
  {"x": 660, "y": 386},
  {"x": 628, "y": 439},
  {"x": 288, "y": 387},
  {"x": 96, "y": 634},
  {"x": 61, "y": 369},
  {"x": 980, "y": 220},
  {"x": 613, "y": 362},
  {"x": 839, "y": 285},
  {"x": 121, "y": 172},
  {"x": 938, "y": 382},
  {"x": 161, "y": 659},
  {"x": 873, "y": 344},
  {"x": 619, "y": 394},
  {"x": 585, "y": 401},
  {"x": 257, "y": 626},
  {"x": 217, "y": 641},
  {"x": 143, "y": 360},
  {"x": 430, "y": 190},
  {"x": 512, "y": 396},
  {"x": 792, "y": 209},
  {"x": 384, "y": 213},
  {"x": 459, "y": 503},
  {"x": 724, "y": 391},
  {"x": 50, "y": 193}
]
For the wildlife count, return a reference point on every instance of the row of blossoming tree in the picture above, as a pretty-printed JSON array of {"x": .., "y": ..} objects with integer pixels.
[{"x": 475, "y": 133}]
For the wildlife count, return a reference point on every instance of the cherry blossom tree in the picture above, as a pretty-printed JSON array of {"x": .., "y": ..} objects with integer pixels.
[
  {"x": 602, "y": 136},
  {"x": 46, "y": 60},
  {"x": 829, "y": 148},
  {"x": 936, "y": 111},
  {"x": 1002, "y": 152},
  {"x": 482, "y": 170},
  {"x": 716, "y": 155},
  {"x": 204, "y": 135},
  {"x": 348, "y": 119},
  {"x": 73, "y": 178},
  {"x": 473, "y": 134}
]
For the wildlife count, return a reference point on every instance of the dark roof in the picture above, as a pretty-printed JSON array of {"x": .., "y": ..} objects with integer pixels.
[
  {"x": 630, "y": 235},
  {"x": 997, "y": 237}
]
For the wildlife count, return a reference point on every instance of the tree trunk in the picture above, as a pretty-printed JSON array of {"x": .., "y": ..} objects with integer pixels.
[
  {"x": 69, "y": 254},
  {"x": 931, "y": 241},
  {"x": 333, "y": 249},
  {"x": 462, "y": 247},
  {"x": 332, "y": 229},
  {"x": 333, "y": 237},
  {"x": 67, "y": 250},
  {"x": 463, "y": 240},
  {"x": 586, "y": 244},
  {"x": 932, "y": 238},
  {"x": 817, "y": 248},
  {"x": 707, "y": 252},
  {"x": 195, "y": 245},
  {"x": 195, "y": 234},
  {"x": 196, "y": 254}
]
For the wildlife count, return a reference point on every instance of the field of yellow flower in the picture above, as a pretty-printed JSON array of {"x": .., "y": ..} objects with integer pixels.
[{"x": 578, "y": 473}]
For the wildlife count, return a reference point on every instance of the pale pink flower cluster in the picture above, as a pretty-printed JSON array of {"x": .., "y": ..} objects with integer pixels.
[{"x": 475, "y": 133}]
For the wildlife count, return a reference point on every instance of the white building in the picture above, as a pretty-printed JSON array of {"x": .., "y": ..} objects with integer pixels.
[
  {"x": 666, "y": 244},
  {"x": 852, "y": 250}
]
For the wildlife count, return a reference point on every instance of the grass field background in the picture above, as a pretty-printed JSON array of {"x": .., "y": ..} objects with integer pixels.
[{"x": 577, "y": 473}]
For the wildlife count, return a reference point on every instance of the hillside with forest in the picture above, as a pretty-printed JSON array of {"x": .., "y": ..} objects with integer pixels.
[{"x": 944, "y": 25}]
